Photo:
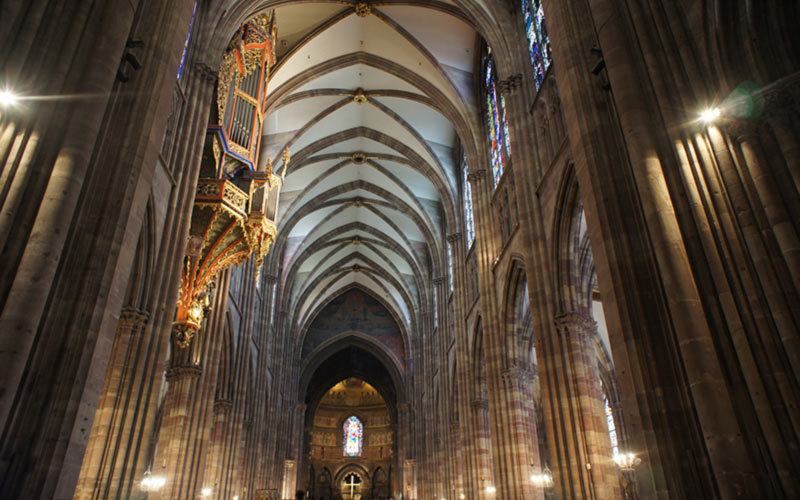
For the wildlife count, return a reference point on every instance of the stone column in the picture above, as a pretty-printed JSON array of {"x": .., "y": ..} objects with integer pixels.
[
  {"x": 782, "y": 106},
  {"x": 215, "y": 459},
  {"x": 457, "y": 462},
  {"x": 401, "y": 438},
  {"x": 101, "y": 468},
  {"x": 642, "y": 240},
  {"x": 410, "y": 478},
  {"x": 522, "y": 453},
  {"x": 84, "y": 169},
  {"x": 510, "y": 443},
  {"x": 298, "y": 439},
  {"x": 766, "y": 192},
  {"x": 135, "y": 399},
  {"x": 188, "y": 404},
  {"x": 289, "y": 480},
  {"x": 482, "y": 450},
  {"x": 585, "y": 465}
]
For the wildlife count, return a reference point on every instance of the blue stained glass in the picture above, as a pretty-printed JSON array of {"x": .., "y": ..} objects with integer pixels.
[
  {"x": 353, "y": 433},
  {"x": 469, "y": 217},
  {"x": 499, "y": 140},
  {"x": 435, "y": 307},
  {"x": 538, "y": 39},
  {"x": 612, "y": 428},
  {"x": 186, "y": 43},
  {"x": 450, "y": 266}
]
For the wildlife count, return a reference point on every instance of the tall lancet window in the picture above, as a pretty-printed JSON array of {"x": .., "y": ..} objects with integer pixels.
[
  {"x": 435, "y": 306},
  {"x": 186, "y": 43},
  {"x": 353, "y": 437},
  {"x": 450, "y": 266},
  {"x": 469, "y": 216},
  {"x": 499, "y": 141},
  {"x": 538, "y": 40},
  {"x": 612, "y": 427}
]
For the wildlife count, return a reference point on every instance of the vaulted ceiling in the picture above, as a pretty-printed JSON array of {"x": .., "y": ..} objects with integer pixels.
[{"x": 372, "y": 106}]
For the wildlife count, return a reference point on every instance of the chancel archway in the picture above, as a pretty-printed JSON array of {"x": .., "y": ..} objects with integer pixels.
[
  {"x": 350, "y": 387},
  {"x": 350, "y": 432}
]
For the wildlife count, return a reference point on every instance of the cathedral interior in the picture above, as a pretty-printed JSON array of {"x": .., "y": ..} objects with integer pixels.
[{"x": 399, "y": 249}]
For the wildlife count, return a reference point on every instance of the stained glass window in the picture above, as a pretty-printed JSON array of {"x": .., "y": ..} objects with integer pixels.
[
  {"x": 612, "y": 428},
  {"x": 469, "y": 217},
  {"x": 274, "y": 303},
  {"x": 186, "y": 43},
  {"x": 353, "y": 432},
  {"x": 435, "y": 307},
  {"x": 450, "y": 266},
  {"x": 496, "y": 114},
  {"x": 538, "y": 39}
]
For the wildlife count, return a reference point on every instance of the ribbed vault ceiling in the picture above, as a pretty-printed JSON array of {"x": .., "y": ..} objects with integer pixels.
[{"x": 371, "y": 184}]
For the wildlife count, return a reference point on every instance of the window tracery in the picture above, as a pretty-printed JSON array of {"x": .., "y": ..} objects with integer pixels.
[
  {"x": 499, "y": 141},
  {"x": 353, "y": 436},
  {"x": 612, "y": 428},
  {"x": 450, "y": 266},
  {"x": 469, "y": 214},
  {"x": 538, "y": 39}
]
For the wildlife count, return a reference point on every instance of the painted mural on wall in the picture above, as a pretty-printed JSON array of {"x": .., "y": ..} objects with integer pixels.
[{"x": 355, "y": 311}]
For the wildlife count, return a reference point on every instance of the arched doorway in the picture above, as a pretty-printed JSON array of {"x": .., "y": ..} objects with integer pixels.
[
  {"x": 352, "y": 422},
  {"x": 351, "y": 487}
]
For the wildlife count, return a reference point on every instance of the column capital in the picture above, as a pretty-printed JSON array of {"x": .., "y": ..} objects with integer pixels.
[
  {"x": 742, "y": 129},
  {"x": 186, "y": 371},
  {"x": 476, "y": 175},
  {"x": 130, "y": 318},
  {"x": 479, "y": 404},
  {"x": 510, "y": 84},
  {"x": 516, "y": 374},
  {"x": 453, "y": 237},
  {"x": 576, "y": 322},
  {"x": 205, "y": 71},
  {"x": 439, "y": 280},
  {"x": 222, "y": 406}
]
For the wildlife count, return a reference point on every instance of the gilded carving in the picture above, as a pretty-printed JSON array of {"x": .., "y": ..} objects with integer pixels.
[
  {"x": 359, "y": 97},
  {"x": 226, "y": 70},
  {"x": 362, "y": 9},
  {"x": 229, "y": 224}
]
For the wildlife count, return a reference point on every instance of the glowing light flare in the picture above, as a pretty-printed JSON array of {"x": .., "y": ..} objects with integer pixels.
[
  {"x": 152, "y": 483},
  {"x": 205, "y": 492},
  {"x": 491, "y": 489},
  {"x": 710, "y": 114},
  {"x": 627, "y": 461},
  {"x": 543, "y": 479},
  {"x": 8, "y": 98}
]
